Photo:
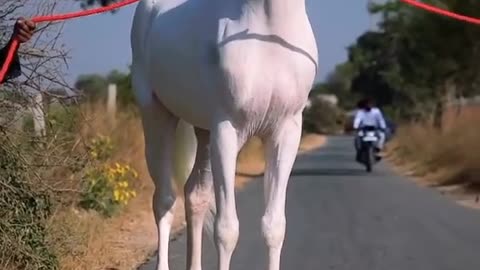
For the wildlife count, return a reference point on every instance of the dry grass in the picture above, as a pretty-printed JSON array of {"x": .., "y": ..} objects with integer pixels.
[
  {"x": 311, "y": 142},
  {"x": 88, "y": 241},
  {"x": 251, "y": 160},
  {"x": 450, "y": 157}
]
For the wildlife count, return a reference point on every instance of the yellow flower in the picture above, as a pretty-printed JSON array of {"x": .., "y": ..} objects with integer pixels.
[
  {"x": 134, "y": 194},
  {"x": 116, "y": 195}
]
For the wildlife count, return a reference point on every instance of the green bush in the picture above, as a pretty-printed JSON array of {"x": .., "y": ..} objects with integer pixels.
[
  {"x": 58, "y": 118},
  {"x": 322, "y": 117},
  {"x": 23, "y": 211},
  {"x": 63, "y": 118},
  {"x": 106, "y": 188}
]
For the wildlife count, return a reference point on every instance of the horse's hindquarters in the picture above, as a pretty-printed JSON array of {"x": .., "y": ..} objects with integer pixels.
[{"x": 264, "y": 81}]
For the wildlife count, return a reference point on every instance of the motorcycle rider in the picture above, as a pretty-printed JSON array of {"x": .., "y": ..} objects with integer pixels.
[{"x": 369, "y": 115}]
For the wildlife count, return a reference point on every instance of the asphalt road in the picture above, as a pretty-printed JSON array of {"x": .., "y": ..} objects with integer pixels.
[{"x": 341, "y": 218}]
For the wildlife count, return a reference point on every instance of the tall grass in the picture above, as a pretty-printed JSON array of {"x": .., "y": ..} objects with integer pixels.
[
  {"x": 448, "y": 156},
  {"x": 86, "y": 240}
]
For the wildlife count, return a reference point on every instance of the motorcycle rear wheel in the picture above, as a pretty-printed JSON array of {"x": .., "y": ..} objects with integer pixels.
[{"x": 370, "y": 159}]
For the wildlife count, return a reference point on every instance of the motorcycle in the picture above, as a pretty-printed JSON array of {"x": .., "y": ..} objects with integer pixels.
[{"x": 367, "y": 151}]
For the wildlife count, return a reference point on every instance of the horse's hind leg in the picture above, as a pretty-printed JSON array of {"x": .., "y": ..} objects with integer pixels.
[
  {"x": 281, "y": 150},
  {"x": 198, "y": 195},
  {"x": 159, "y": 127},
  {"x": 224, "y": 145}
]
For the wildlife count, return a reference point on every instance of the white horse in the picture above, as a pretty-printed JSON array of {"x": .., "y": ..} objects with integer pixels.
[{"x": 208, "y": 75}]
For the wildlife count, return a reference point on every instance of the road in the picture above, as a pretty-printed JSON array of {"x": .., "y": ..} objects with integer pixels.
[{"x": 341, "y": 218}]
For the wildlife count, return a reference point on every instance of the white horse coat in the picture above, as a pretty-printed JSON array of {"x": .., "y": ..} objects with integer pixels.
[{"x": 231, "y": 69}]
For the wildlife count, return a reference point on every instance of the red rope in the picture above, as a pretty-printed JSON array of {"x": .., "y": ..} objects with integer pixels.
[
  {"x": 440, "y": 11},
  {"x": 60, "y": 17}
]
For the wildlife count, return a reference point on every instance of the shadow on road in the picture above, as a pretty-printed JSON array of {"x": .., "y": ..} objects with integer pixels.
[
  {"x": 328, "y": 172},
  {"x": 317, "y": 172},
  {"x": 248, "y": 175}
]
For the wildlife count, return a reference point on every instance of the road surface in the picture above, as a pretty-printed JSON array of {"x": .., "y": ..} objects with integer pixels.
[{"x": 341, "y": 218}]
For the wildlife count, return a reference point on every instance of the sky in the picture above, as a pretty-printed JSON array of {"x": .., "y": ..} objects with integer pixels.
[{"x": 101, "y": 43}]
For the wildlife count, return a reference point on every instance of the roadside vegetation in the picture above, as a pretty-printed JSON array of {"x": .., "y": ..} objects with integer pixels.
[{"x": 450, "y": 156}]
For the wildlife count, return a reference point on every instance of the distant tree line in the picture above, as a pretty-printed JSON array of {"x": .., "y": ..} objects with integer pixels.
[
  {"x": 413, "y": 63},
  {"x": 94, "y": 87}
]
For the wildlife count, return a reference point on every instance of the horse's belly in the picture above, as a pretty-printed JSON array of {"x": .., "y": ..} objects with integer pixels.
[{"x": 185, "y": 98}]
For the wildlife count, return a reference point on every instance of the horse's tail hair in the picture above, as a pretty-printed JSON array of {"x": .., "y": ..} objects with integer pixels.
[
  {"x": 184, "y": 159},
  {"x": 185, "y": 151}
]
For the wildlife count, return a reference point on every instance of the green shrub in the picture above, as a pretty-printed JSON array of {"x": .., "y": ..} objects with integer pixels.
[
  {"x": 106, "y": 187},
  {"x": 322, "y": 117},
  {"x": 100, "y": 148},
  {"x": 63, "y": 118},
  {"x": 58, "y": 118},
  {"x": 23, "y": 211}
]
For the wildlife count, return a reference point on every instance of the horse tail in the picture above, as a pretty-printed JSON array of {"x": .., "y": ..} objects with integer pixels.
[
  {"x": 184, "y": 158},
  {"x": 185, "y": 151}
]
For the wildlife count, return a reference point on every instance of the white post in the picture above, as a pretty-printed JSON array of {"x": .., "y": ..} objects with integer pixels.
[
  {"x": 112, "y": 99},
  {"x": 38, "y": 115}
]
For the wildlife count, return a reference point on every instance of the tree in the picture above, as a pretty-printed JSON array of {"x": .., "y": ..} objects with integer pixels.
[
  {"x": 417, "y": 59},
  {"x": 94, "y": 86},
  {"x": 338, "y": 83},
  {"x": 88, "y": 3}
]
